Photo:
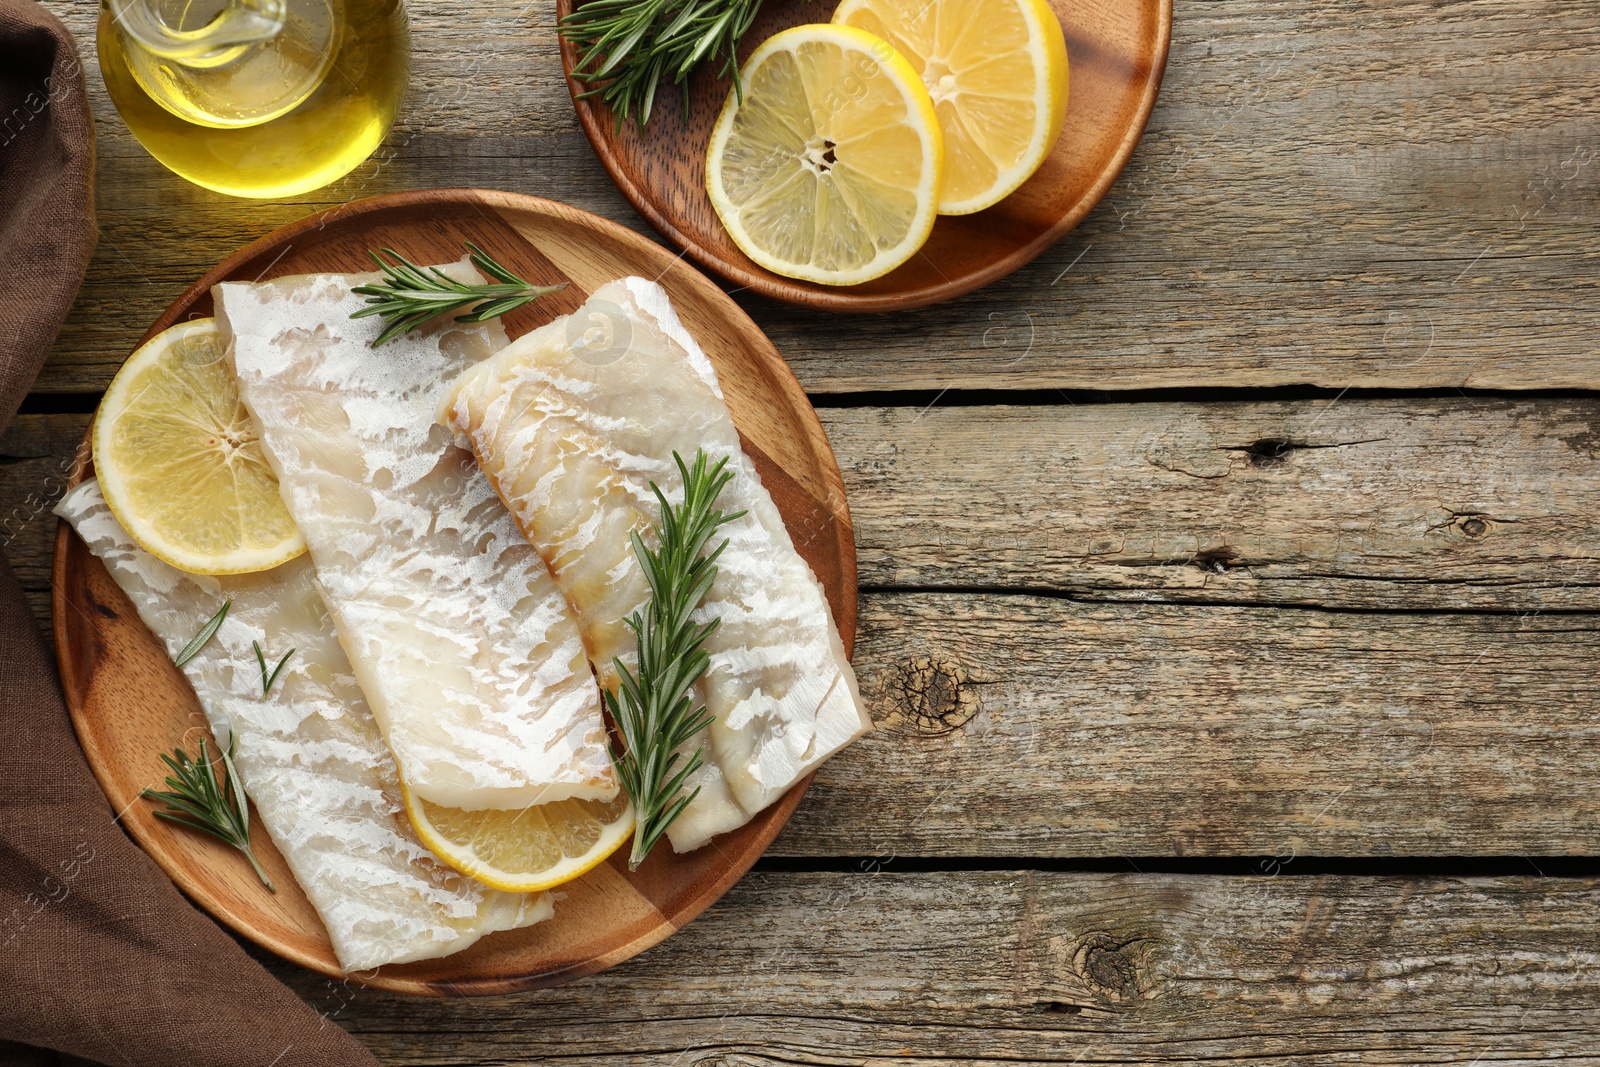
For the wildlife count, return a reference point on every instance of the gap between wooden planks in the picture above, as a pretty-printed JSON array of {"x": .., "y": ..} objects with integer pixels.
[
  {"x": 1166, "y": 694},
  {"x": 1484, "y": 503},
  {"x": 1022, "y": 966},
  {"x": 1462, "y": 503},
  {"x": 1382, "y": 194}
]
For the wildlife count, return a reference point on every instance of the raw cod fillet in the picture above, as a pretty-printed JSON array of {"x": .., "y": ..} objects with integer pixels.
[
  {"x": 310, "y": 756},
  {"x": 469, "y": 656},
  {"x": 571, "y": 423}
]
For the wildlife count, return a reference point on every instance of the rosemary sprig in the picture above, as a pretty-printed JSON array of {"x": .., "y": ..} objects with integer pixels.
[
  {"x": 654, "y": 711},
  {"x": 413, "y": 295},
  {"x": 268, "y": 679},
  {"x": 206, "y": 633},
  {"x": 626, "y": 47},
  {"x": 198, "y": 798}
]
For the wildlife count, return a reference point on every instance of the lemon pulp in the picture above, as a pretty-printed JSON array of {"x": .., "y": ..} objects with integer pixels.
[
  {"x": 996, "y": 71},
  {"x": 828, "y": 169},
  {"x": 180, "y": 464},
  {"x": 528, "y": 849}
]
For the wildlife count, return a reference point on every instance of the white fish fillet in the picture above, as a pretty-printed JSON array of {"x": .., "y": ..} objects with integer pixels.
[
  {"x": 572, "y": 423},
  {"x": 470, "y": 658},
  {"x": 310, "y": 756}
]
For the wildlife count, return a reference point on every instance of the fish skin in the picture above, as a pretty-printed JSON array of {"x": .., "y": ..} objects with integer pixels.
[
  {"x": 469, "y": 656},
  {"x": 309, "y": 755},
  {"x": 571, "y": 423}
]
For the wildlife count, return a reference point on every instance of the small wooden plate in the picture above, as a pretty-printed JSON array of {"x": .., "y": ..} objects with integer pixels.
[
  {"x": 129, "y": 703},
  {"x": 1116, "y": 50}
]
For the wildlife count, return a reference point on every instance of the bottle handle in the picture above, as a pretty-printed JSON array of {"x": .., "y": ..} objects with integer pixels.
[{"x": 237, "y": 25}]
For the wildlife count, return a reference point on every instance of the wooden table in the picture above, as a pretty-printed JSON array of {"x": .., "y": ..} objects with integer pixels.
[{"x": 1254, "y": 525}]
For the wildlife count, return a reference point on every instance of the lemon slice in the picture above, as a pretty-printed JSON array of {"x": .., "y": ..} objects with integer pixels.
[
  {"x": 828, "y": 169},
  {"x": 179, "y": 462},
  {"x": 526, "y": 849},
  {"x": 997, "y": 73}
]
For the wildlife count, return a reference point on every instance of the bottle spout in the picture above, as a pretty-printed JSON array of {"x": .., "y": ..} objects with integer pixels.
[{"x": 216, "y": 37}]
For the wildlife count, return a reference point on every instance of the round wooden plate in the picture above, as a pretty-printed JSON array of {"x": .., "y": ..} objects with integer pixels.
[
  {"x": 129, "y": 703},
  {"x": 1116, "y": 55}
]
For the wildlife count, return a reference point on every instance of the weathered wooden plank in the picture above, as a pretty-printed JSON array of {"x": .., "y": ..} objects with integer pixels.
[
  {"x": 1012, "y": 725},
  {"x": 1024, "y": 966},
  {"x": 1124, "y": 728},
  {"x": 1389, "y": 194},
  {"x": 1465, "y": 502},
  {"x": 36, "y": 455},
  {"x": 1127, "y": 728},
  {"x": 39, "y": 604}
]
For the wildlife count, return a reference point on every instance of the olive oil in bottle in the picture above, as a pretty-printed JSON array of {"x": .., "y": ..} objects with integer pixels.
[{"x": 258, "y": 98}]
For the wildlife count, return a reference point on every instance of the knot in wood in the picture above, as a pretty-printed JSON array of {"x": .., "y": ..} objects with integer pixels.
[
  {"x": 1269, "y": 451},
  {"x": 1109, "y": 967},
  {"x": 935, "y": 695},
  {"x": 1472, "y": 525},
  {"x": 1216, "y": 560}
]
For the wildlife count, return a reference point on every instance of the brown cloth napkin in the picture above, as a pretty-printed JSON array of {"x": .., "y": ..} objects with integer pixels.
[{"x": 100, "y": 957}]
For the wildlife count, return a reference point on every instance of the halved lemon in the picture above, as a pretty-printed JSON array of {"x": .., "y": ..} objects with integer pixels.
[
  {"x": 527, "y": 849},
  {"x": 997, "y": 73},
  {"x": 180, "y": 464},
  {"x": 828, "y": 168}
]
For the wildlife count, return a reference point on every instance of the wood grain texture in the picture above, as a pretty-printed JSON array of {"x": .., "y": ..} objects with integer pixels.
[
  {"x": 1454, "y": 724},
  {"x": 1032, "y": 967},
  {"x": 1037, "y": 726},
  {"x": 1385, "y": 193},
  {"x": 37, "y": 457},
  {"x": 1117, "y": 51},
  {"x": 1479, "y": 503},
  {"x": 1373, "y": 194},
  {"x": 129, "y": 703}
]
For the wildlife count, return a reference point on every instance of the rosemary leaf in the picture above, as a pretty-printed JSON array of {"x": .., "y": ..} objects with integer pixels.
[
  {"x": 412, "y": 295},
  {"x": 653, "y": 707},
  {"x": 207, "y": 632},
  {"x": 268, "y": 679},
  {"x": 196, "y": 798},
  {"x": 627, "y": 47}
]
